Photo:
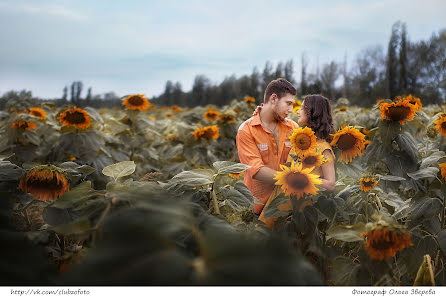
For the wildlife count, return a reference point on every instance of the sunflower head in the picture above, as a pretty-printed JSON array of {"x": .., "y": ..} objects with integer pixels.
[
  {"x": 342, "y": 108},
  {"x": 350, "y": 141},
  {"x": 440, "y": 124},
  {"x": 37, "y": 112},
  {"x": 367, "y": 183},
  {"x": 303, "y": 141},
  {"x": 249, "y": 100},
  {"x": 136, "y": 102},
  {"x": 23, "y": 125},
  {"x": 236, "y": 175},
  {"x": 384, "y": 240},
  {"x": 175, "y": 109},
  {"x": 226, "y": 118},
  {"x": 443, "y": 170},
  {"x": 169, "y": 115},
  {"x": 312, "y": 159},
  {"x": 297, "y": 105},
  {"x": 295, "y": 180},
  {"x": 237, "y": 111},
  {"x": 45, "y": 182},
  {"x": 398, "y": 111},
  {"x": 416, "y": 102},
  {"x": 210, "y": 114},
  {"x": 75, "y": 117},
  {"x": 208, "y": 132}
]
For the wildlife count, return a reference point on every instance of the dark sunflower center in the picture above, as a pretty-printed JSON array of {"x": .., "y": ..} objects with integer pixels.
[
  {"x": 303, "y": 141},
  {"x": 75, "y": 117},
  {"x": 443, "y": 126},
  {"x": 208, "y": 133},
  {"x": 346, "y": 141},
  {"x": 24, "y": 125},
  {"x": 310, "y": 160},
  {"x": 36, "y": 113},
  {"x": 297, "y": 180},
  {"x": 368, "y": 183},
  {"x": 50, "y": 184},
  {"x": 383, "y": 241},
  {"x": 136, "y": 101},
  {"x": 398, "y": 113}
]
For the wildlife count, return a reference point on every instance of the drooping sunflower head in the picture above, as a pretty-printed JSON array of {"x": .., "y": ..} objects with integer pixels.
[
  {"x": 443, "y": 170},
  {"x": 136, "y": 102},
  {"x": 45, "y": 182},
  {"x": 350, "y": 141},
  {"x": 440, "y": 124},
  {"x": 210, "y": 114},
  {"x": 23, "y": 125},
  {"x": 249, "y": 100},
  {"x": 295, "y": 180},
  {"x": 312, "y": 159},
  {"x": 399, "y": 111},
  {"x": 415, "y": 101},
  {"x": 208, "y": 132},
  {"x": 37, "y": 112},
  {"x": 75, "y": 117},
  {"x": 226, "y": 118},
  {"x": 297, "y": 105},
  {"x": 367, "y": 183},
  {"x": 303, "y": 141},
  {"x": 384, "y": 240},
  {"x": 175, "y": 109}
]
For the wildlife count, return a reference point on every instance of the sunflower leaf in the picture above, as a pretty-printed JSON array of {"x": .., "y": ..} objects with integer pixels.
[
  {"x": 426, "y": 207},
  {"x": 408, "y": 144},
  {"x": 348, "y": 233},
  {"x": 120, "y": 169},
  {"x": 226, "y": 167},
  {"x": 272, "y": 210},
  {"x": 9, "y": 171},
  {"x": 390, "y": 177},
  {"x": 429, "y": 172},
  {"x": 193, "y": 178}
]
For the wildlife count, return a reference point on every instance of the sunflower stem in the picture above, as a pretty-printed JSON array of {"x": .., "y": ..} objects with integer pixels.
[{"x": 214, "y": 199}]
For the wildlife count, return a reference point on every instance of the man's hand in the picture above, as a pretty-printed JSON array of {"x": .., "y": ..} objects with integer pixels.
[{"x": 266, "y": 174}]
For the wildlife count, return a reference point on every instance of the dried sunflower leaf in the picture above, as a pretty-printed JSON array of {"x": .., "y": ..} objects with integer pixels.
[{"x": 120, "y": 169}]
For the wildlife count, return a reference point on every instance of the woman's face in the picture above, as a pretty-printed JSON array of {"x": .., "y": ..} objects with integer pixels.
[{"x": 302, "y": 117}]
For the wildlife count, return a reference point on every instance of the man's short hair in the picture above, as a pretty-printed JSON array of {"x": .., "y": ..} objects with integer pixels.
[{"x": 280, "y": 87}]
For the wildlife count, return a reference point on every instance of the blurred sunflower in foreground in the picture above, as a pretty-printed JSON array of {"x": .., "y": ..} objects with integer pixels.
[
  {"x": 136, "y": 102},
  {"x": 297, "y": 181},
  {"x": 37, "y": 112},
  {"x": 210, "y": 114},
  {"x": 399, "y": 111},
  {"x": 440, "y": 124},
  {"x": 208, "y": 132},
  {"x": 385, "y": 239},
  {"x": 25, "y": 125},
  {"x": 45, "y": 182},
  {"x": 296, "y": 105},
  {"x": 312, "y": 159},
  {"x": 303, "y": 141},
  {"x": 75, "y": 117},
  {"x": 350, "y": 141}
]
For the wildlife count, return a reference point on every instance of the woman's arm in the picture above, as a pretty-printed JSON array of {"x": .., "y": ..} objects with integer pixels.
[{"x": 328, "y": 172}]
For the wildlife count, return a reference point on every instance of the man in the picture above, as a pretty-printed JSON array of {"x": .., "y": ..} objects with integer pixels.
[{"x": 263, "y": 140}]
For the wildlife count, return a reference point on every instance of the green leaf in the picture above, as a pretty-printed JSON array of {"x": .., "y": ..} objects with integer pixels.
[
  {"x": 346, "y": 233},
  {"x": 231, "y": 193},
  {"x": 242, "y": 188},
  {"x": 194, "y": 178},
  {"x": 432, "y": 160},
  {"x": 78, "y": 226},
  {"x": 3, "y": 157},
  {"x": 426, "y": 207},
  {"x": 441, "y": 237},
  {"x": 390, "y": 177},
  {"x": 76, "y": 197},
  {"x": 407, "y": 143},
  {"x": 9, "y": 171},
  {"x": 429, "y": 172},
  {"x": 120, "y": 169},
  {"x": 348, "y": 268},
  {"x": 347, "y": 191},
  {"x": 226, "y": 167},
  {"x": 271, "y": 211}
]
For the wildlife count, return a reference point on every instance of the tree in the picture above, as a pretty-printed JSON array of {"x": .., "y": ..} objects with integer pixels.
[
  {"x": 392, "y": 63},
  {"x": 403, "y": 60},
  {"x": 288, "y": 71},
  {"x": 329, "y": 75},
  {"x": 303, "y": 81}
]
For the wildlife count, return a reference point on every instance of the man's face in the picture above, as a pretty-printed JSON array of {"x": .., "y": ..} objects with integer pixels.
[{"x": 282, "y": 107}]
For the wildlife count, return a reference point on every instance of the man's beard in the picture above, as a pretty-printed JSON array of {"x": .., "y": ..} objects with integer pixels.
[{"x": 277, "y": 117}]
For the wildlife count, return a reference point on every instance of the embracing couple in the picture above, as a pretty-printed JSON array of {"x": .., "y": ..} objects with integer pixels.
[{"x": 263, "y": 142}]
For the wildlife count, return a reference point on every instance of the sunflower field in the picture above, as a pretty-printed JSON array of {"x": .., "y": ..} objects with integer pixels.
[{"x": 153, "y": 195}]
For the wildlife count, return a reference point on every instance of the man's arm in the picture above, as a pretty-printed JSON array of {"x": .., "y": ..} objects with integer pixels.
[{"x": 249, "y": 154}]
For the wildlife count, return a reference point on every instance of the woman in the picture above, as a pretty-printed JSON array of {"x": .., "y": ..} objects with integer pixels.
[{"x": 316, "y": 114}]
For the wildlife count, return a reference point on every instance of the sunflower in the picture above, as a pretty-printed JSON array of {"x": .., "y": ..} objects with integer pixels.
[
  {"x": 237, "y": 111},
  {"x": 249, "y": 100},
  {"x": 75, "y": 117},
  {"x": 312, "y": 159},
  {"x": 398, "y": 111},
  {"x": 366, "y": 144},
  {"x": 208, "y": 132},
  {"x": 24, "y": 125},
  {"x": 37, "y": 112},
  {"x": 296, "y": 105},
  {"x": 378, "y": 101},
  {"x": 169, "y": 115},
  {"x": 416, "y": 102},
  {"x": 175, "y": 109},
  {"x": 171, "y": 137},
  {"x": 443, "y": 170},
  {"x": 297, "y": 181},
  {"x": 136, "y": 102},
  {"x": 384, "y": 241},
  {"x": 350, "y": 141},
  {"x": 343, "y": 108},
  {"x": 303, "y": 140},
  {"x": 226, "y": 118},
  {"x": 367, "y": 183},
  {"x": 236, "y": 175},
  {"x": 45, "y": 182},
  {"x": 364, "y": 131},
  {"x": 440, "y": 124},
  {"x": 210, "y": 114},
  {"x": 152, "y": 118}
]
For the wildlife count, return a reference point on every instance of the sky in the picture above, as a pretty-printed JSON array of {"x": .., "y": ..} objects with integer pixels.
[{"x": 134, "y": 47}]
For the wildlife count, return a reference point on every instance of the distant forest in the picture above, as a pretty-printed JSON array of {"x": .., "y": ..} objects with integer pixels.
[{"x": 405, "y": 67}]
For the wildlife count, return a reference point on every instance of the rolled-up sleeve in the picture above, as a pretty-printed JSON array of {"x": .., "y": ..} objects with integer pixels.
[{"x": 248, "y": 153}]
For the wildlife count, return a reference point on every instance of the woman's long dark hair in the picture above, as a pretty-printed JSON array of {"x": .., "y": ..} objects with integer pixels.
[{"x": 320, "y": 120}]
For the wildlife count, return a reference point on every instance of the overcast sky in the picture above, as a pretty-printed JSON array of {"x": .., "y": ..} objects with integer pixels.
[{"x": 136, "y": 46}]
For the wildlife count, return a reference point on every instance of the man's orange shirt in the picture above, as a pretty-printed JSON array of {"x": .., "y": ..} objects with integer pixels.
[{"x": 257, "y": 147}]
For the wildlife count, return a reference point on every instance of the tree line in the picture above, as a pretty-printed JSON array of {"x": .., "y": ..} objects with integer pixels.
[{"x": 405, "y": 67}]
